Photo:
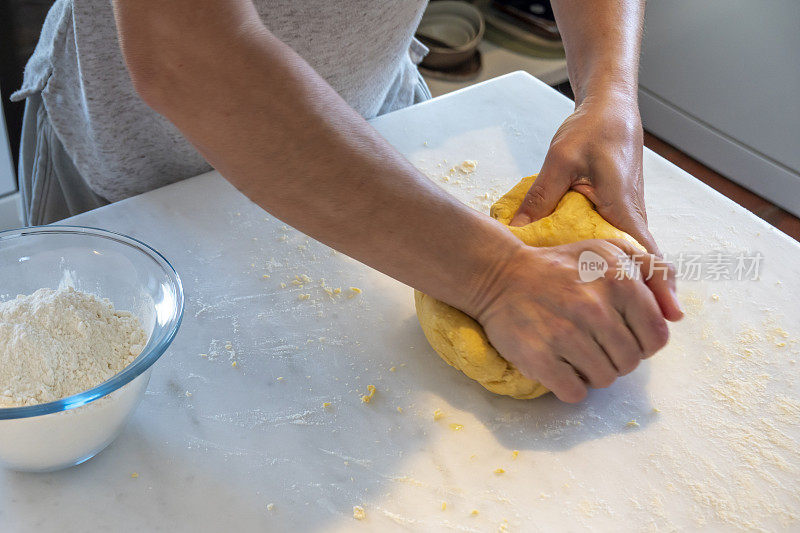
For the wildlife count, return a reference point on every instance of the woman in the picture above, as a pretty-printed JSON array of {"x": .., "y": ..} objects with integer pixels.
[{"x": 273, "y": 94}]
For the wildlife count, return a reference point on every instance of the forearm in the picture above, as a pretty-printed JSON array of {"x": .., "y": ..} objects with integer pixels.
[
  {"x": 262, "y": 117},
  {"x": 602, "y": 41}
]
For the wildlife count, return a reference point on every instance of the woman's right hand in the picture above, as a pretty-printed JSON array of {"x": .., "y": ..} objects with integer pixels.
[{"x": 569, "y": 334}]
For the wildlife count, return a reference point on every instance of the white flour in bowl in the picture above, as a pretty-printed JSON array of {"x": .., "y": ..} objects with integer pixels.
[{"x": 56, "y": 343}]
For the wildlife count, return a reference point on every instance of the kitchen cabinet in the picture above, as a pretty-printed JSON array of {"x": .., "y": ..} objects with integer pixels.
[{"x": 720, "y": 81}]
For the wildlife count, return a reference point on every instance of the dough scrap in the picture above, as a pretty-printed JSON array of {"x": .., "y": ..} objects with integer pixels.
[{"x": 460, "y": 340}]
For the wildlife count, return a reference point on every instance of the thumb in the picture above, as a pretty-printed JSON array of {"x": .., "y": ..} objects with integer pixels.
[
  {"x": 543, "y": 196},
  {"x": 637, "y": 228}
]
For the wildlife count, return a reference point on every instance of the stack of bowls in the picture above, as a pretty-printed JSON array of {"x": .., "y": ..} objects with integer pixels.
[{"x": 452, "y": 31}]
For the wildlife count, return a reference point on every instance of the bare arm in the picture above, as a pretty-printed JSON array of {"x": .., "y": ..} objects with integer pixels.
[
  {"x": 264, "y": 118},
  {"x": 598, "y": 149},
  {"x": 602, "y": 40}
]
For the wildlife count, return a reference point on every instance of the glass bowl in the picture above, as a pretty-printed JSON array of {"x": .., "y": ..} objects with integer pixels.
[{"x": 136, "y": 278}]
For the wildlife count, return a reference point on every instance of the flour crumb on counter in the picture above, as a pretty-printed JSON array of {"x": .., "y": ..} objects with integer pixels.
[
  {"x": 301, "y": 279},
  {"x": 370, "y": 394},
  {"x": 359, "y": 513},
  {"x": 467, "y": 166},
  {"x": 692, "y": 303},
  {"x": 354, "y": 291}
]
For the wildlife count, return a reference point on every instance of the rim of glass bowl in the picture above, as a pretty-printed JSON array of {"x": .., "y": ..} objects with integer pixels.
[{"x": 156, "y": 345}]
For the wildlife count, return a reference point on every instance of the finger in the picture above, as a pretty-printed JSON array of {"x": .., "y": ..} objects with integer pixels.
[
  {"x": 549, "y": 187},
  {"x": 634, "y": 300},
  {"x": 658, "y": 276},
  {"x": 619, "y": 198},
  {"x": 644, "y": 319},
  {"x": 638, "y": 306},
  {"x": 590, "y": 360},
  {"x": 561, "y": 378},
  {"x": 637, "y": 228},
  {"x": 618, "y": 342}
]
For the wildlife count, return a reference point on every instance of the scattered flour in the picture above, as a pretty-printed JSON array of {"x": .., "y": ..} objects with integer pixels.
[{"x": 56, "y": 343}]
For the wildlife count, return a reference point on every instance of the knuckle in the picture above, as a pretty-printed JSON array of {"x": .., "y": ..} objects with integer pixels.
[
  {"x": 615, "y": 262},
  {"x": 615, "y": 283},
  {"x": 662, "y": 332},
  {"x": 536, "y": 196},
  {"x": 573, "y": 393},
  {"x": 604, "y": 381},
  {"x": 671, "y": 270},
  {"x": 625, "y": 287},
  {"x": 660, "y": 337},
  {"x": 561, "y": 331},
  {"x": 594, "y": 311},
  {"x": 628, "y": 364},
  {"x": 562, "y": 156},
  {"x": 546, "y": 367},
  {"x": 628, "y": 367}
]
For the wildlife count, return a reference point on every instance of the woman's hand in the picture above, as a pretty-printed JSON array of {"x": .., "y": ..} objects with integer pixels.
[
  {"x": 597, "y": 151},
  {"x": 569, "y": 334}
]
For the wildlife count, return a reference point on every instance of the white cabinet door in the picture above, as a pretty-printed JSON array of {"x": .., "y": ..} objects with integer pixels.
[{"x": 720, "y": 80}]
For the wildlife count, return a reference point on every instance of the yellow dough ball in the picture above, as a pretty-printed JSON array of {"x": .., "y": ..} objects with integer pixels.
[{"x": 460, "y": 340}]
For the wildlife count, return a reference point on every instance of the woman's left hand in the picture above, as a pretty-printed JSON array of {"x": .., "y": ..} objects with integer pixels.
[{"x": 597, "y": 151}]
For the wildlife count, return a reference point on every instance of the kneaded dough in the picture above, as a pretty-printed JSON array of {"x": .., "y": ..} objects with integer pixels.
[{"x": 460, "y": 340}]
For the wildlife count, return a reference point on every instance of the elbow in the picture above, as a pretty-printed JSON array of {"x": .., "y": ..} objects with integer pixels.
[
  {"x": 149, "y": 48},
  {"x": 149, "y": 77},
  {"x": 152, "y": 58}
]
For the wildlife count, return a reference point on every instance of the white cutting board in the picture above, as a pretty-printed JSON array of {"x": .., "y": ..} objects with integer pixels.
[{"x": 703, "y": 436}]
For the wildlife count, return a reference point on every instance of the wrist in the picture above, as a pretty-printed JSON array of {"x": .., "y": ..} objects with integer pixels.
[
  {"x": 488, "y": 283},
  {"x": 610, "y": 84},
  {"x": 614, "y": 112},
  {"x": 474, "y": 271}
]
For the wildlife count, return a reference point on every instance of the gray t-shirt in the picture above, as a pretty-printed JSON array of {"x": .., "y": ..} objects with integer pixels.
[{"x": 363, "y": 48}]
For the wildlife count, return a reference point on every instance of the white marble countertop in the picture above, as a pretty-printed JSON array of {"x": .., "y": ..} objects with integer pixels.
[{"x": 702, "y": 437}]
